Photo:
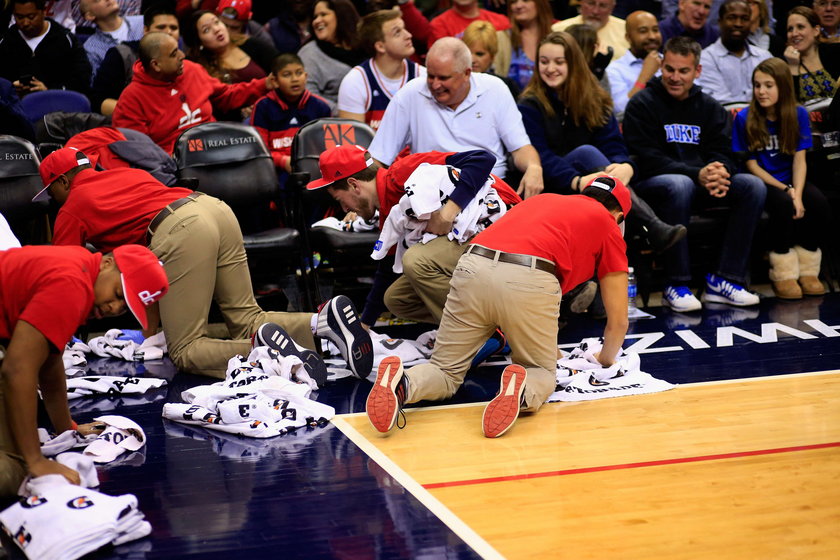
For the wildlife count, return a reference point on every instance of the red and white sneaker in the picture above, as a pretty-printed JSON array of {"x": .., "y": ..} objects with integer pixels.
[
  {"x": 386, "y": 398},
  {"x": 503, "y": 410}
]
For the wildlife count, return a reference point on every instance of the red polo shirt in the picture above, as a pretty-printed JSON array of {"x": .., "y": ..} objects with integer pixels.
[
  {"x": 574, "y": 231},
  {"x": 112, "y": 208},
  {"x": 51, "y": 288}
]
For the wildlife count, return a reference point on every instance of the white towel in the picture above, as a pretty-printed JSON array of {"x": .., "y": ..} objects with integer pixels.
[{"x": 580, "y": 377}]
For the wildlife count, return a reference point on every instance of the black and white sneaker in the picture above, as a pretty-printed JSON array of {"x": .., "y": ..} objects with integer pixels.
[
  {"x": 339, "y": 322},
  {"x": 273, "y": 336}
]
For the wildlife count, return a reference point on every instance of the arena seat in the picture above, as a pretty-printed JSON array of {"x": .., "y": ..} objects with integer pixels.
[
  {"x": 19, "y": 182},
  {"x": 229, "y": 161},
  {"x": 40, "y": 103},
  {"x": 346, "y": 255}
]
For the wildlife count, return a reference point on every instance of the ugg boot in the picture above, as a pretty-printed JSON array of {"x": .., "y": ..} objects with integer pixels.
[
  {"x": 809, "y": 271},
  {"x": 784, "y": 270}
]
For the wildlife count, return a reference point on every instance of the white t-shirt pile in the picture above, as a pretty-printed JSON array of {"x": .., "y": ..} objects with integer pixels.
[
  {"x": 427, "y": 188},
  {"x": 57, "y": 520},
  {"x": 265, "y": 395},
  {"x": 581, "y": 377}
]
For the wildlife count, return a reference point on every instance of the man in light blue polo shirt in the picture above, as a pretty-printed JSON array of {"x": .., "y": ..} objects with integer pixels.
[
  {"x": 629, "y": 74},
  {"x": 728, "y": 63},
  {"x": 455, "y": 110}
]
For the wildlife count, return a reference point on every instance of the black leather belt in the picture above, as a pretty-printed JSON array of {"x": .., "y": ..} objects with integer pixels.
[
  {"x": 513, "y": 258},
  {"x": 169, "y": 209}
]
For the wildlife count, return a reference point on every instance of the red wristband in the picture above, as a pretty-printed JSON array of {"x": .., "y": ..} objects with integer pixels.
[
  {"x": 73, "y": 425},
  {"x": 640, "y": 85}
]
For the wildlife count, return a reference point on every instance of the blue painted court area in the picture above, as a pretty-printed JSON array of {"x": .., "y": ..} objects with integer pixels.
[{"x": 314, "y": 494}]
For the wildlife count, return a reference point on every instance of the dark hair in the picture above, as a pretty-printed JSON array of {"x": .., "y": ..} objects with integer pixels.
[
  {"x": 283, "y": 60},
  {"x": 683, "y": 46},
  {"x": 39, "y": 4},
  {"x": 758, "y": 136},
  {"x": 157, "y": 10},
  {"x": 586, "y": 38},
  {"x": 545, "y": 17},
  {"x": 606, "y": 198},
  {"x": 724, "y": 8},
  {"x": 805, "y": 12},
  {"x": 346, "y": 20},
  {"x": 587, "y": 102}
]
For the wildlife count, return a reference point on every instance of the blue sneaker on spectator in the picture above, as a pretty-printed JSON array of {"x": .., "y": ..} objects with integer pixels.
[
  {"x": 720, "y": 290},
  {"x": 680, "y": 299},
  {"x": 494, "y": 345}
]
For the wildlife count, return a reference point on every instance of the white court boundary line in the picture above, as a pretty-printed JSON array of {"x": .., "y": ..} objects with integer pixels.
[
  {"x": 464, "y": 531},
  {"x": 455, "y": 524}
]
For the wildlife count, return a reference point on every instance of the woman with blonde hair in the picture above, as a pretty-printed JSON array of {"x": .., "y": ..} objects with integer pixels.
[
  {"x": 569, "y": 119},
  {"x": 530, "y": 21},
  {"x": 483, "y": 41},
  {"x": 774, "y": 133}
]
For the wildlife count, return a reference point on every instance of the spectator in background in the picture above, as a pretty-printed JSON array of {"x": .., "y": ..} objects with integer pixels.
[
  {"x": 728, "y": 63},
  {"x": 815, "y": 66},
  {"x": 455, "y": 20},
  {"x": 482, "y": 40},
  {"x": 691, "y": 21},
  {"x": 117, "y": 67},
  {"x": 598, "y": 14},
  {"x": 231, "y": 61},
  {"x": 279, "y": 114},
  {"x": 629, "y": 74},
  {"x": 594, "y": 54},
  {"x": 38, "y": 54},
  {"x": 679, "y": 137},
  {"x": 455, "y": 110},
  {"x": 670, "y": 7},
  {"x": 760, "y": 32},
  {"x": 331, "y": 55},
  {"x": 291, "y": 28},
  {"x": 111, "y": 29},
  {"x": 828, "y": 11},
  {"x": 569, "y": 119},
  {"x": 12, "y": 118},
  {"x": 236, "y": 15},
  {"x": 85, "y": 27},
  {"x": 774, "y": 133},
  {"x": 367, "y": 89},
  {"x": 149, "y": 105},
  {"x": 530, "y": 21}
]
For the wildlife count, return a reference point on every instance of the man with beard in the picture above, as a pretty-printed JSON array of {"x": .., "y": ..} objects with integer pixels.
[
  {"x": 728, "y": 63},
  {"x": 598, "y": 15},
  {"x": 360, "y": 185},
  {"x": 629, "y": 74}
]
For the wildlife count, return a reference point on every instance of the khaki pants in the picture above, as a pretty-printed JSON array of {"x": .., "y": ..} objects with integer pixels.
[
  {"x": 12, "y": 466},
  {"x": 420, "y": 293},
  {"x": 203, "y": 254},
  {"x": 524, "y": 302}
]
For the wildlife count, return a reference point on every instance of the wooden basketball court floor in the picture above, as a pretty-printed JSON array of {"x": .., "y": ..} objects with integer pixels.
[
  {"x": 740, "y": 460},
  {"x": 727, "y": 469}
]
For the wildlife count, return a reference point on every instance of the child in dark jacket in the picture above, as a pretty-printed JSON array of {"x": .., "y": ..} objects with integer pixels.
[{"x": 278, "y": 115}]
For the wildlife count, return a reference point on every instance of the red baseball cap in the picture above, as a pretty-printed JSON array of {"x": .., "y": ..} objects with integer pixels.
[
  {"x": 340, "y": 162},
  {"x": 242, "y": 9},
  {"x": 143, "y": 279},
  {"x": 616, "y": 188},
  {"x": 58, "y": 163}
]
